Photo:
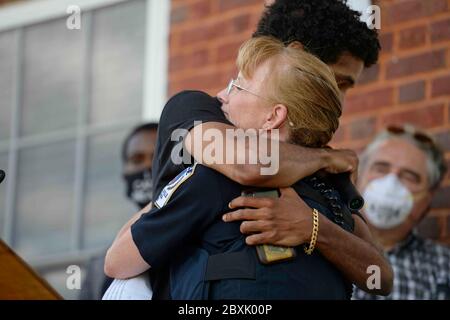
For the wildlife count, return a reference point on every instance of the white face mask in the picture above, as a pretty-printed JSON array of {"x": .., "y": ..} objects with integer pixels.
[{"x": 387, "y": 202}]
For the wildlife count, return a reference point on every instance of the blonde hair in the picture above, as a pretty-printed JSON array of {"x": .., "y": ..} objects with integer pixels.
[{"x": 301, "y": 82}]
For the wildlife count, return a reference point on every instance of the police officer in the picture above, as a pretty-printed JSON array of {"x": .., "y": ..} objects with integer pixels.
[
  {"x": 185, "y": 230},
  {"x": 354, "y": 46}
]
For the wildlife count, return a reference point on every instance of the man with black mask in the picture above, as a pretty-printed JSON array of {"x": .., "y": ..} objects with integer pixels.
[{"x": 137, "y": 155}]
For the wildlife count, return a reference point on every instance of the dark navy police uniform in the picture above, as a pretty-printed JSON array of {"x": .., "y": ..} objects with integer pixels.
[
  {"x": 180, "y": 112},
  {"x": 182, "y": 232},
  {"x": 185, "y": 232}
]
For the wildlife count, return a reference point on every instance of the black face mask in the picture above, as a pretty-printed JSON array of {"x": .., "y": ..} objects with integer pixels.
[{"x": 140, "y": 187}]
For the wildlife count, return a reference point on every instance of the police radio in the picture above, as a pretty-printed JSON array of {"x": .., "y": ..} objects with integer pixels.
[
  {"x": 347, "y": 190},
  {"x": 268, "y": 254}
]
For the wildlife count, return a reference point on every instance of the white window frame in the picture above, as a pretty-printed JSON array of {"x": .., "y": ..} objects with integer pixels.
[
  {"x": 157, "y": 36},
  {"x": 15, "y": 17},
  {"x": 360, "y": 6}
]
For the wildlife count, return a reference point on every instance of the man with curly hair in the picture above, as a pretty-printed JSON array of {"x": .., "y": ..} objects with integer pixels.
[
  {"x": 329, "y": 30},
  {"x": 333, "y": 32}
]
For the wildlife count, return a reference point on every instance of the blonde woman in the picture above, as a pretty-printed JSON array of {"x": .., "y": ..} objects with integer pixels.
[{"x": 293, "y": 96}]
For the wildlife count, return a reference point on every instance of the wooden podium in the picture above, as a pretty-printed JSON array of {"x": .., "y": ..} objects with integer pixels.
[{"x": 18, "y": 281}]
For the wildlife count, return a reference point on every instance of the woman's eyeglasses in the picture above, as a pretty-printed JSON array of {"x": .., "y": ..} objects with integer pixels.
[{"x": 233, "y": 83}]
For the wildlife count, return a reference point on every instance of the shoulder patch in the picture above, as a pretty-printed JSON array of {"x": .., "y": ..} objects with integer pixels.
[{"x": 173, "y": 185}]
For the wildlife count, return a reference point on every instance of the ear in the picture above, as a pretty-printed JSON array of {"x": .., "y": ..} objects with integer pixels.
[{"x": 276, "y": 117}]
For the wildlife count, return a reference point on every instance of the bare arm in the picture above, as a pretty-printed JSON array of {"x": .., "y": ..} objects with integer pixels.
[
  {"x": 352, "y": 254},
  {"x": 295, "y": 162},
  {"x": 123, "y": 259},
  {"x": 124, "y": 249}
]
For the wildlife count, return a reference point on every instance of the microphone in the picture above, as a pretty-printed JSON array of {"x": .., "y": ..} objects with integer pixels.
[
  {"x": 349, "y": 194},
  {"x": 2, "y": 175}
]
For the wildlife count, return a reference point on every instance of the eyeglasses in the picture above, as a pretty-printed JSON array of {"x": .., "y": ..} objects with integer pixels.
[
  {"x": 232, "y": 84},
  {"x": 419, "y": 136}
]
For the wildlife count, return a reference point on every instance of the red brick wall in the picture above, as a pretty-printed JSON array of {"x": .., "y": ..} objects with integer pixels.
[
  {"x": 204, "y": 39},
  {"x": 411, "y": 83}
]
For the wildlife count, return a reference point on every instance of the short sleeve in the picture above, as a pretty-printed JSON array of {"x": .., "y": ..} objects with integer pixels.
[
  {"x": 193, "y": 204},
  {"x": 186, "y": 107},
  {"x": 181, "y": 112}
]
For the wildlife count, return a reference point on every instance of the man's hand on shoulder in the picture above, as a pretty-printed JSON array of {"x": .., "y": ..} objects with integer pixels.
[{"x": 341, "y": 160}]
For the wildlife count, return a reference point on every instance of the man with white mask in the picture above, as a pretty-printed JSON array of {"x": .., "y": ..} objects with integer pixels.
[{"x": 400, "y": 171}]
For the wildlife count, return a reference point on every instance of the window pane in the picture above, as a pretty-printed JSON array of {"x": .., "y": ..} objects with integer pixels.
[
  {"x": 118, "y": 62},
  {"x": 107, "y": 208},
  {"x": 4, "y": 167},
  {"x": 53, "y": 69},
  {"x": 45, "y": 199},
  {"x": 7, "y": 55}
]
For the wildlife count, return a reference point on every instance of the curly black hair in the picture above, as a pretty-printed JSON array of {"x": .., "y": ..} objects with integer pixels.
[{"x": 326, "y": 28}]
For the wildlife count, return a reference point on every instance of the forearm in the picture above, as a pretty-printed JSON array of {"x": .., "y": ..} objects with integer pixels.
[
  {"x": 123, "y": 259},
  {"x": 352, "y": 255},
  {"x": 232, "y": 154},
  {"x": 291, "y": 164},
  {"x": 295, "y": 163}
]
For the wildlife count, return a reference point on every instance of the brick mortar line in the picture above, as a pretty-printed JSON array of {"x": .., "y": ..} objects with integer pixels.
[
  {"x": 211, "y": 19},
  {"x": 379, "y": 114},
  {"x": 438, "y": 212},
  {"x": 177, "y": 4},
  {"x": 396, "y": 108},
  {"x": 396, "y": 52},
  {"x": 255, "y": 8},
  {"x": 427, "y": 75},
  {"x": 369, "y": 87},
  {"x": 410, "y": 23},
  {"x": 202, "y": 71},
  {"x": 410, "y": 52},
  {"x": 212, "y": 45},
  {"x": 214, "y": 42}
]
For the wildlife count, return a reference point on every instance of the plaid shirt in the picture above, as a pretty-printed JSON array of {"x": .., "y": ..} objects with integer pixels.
[{"x": 421, "y": 271}]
